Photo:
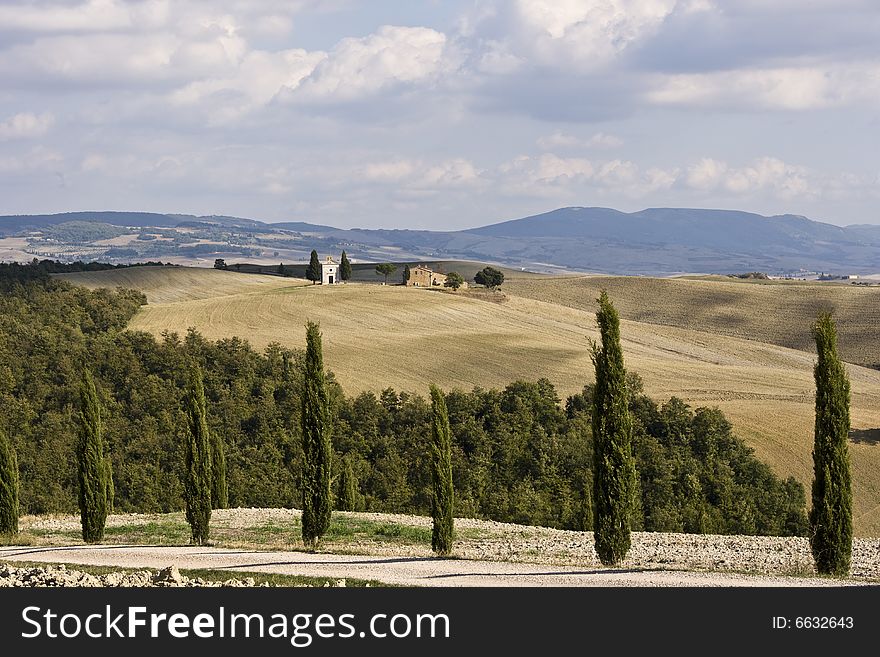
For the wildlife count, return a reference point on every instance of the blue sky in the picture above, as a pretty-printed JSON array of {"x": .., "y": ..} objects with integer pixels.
[{"x": 444, "y": 115}]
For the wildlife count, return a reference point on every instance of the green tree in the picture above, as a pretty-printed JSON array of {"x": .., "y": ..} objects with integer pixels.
[
  {"x": 314, "y": 272},
  {"x": 198, "y": 466},
  {"x": 490, "y": 277},
  {"x": 219, "y": 488},
  {"x": 454, "y": 280},
  {"x": 91, "y": 466},
  {"x": 407, "y": 274},
  {"x": 282, "y": 271},
  {"x": 441, "y": 474},
  {"x": 386, "y": 269},
  {"x": 315, "y": 419},
  {"x": 614, "y": 474},
  {"x": 111, "y": 488},
  {"x": 220, "y": 263},
  {"x": 831, "y": 514},
  {"x": 8, "y": 487},
  {"x": 344, "y": 267},
  {"x": 348, "y": 487}
]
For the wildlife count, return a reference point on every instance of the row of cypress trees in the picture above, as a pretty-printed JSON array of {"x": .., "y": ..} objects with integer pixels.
[
  {"x": 615, "y": 477},
  {"x": 204, "y": 485},
  {"x": 317, "y": 449}
]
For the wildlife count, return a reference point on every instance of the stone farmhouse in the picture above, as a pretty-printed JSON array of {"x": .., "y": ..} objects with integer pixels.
[{"x": 422, "y": 276}]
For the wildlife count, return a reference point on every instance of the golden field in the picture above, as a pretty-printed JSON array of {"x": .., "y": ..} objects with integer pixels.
[{"x": 389, "y": 336}]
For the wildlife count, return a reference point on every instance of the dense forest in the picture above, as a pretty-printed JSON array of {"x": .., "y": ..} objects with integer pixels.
[{"x": 520, "y": 454}]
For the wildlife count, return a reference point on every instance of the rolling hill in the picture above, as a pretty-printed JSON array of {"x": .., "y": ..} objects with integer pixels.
[
  {"x": 776, "y": 312},
  {"x": 380, "y": 336},
  {"x": 586, "y": 239}
]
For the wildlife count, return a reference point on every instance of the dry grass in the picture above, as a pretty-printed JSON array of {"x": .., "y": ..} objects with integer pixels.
[
  {"x": 766, "y": 311},
  {"x": 173, "y": 284},
  {"x": 377, "y": 336}
]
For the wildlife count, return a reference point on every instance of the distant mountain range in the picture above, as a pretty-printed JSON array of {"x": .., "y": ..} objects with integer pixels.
[{"x": 652, "y": 241}]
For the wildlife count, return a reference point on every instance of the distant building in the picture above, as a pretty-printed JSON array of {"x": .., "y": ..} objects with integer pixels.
[
  {"x": 851, "y": 277},
  {"x": 329, "y": 272},
  {"x": 422, "y": 276}
]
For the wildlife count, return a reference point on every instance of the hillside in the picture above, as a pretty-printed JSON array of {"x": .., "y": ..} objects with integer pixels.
[
  {"x": 380, "y": 336},
  {"x": 175, "y": 284},
  {"x": 779, "y": 313}
]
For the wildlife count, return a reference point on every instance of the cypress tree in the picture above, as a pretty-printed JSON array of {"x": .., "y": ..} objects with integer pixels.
[
  {"x": 614, "y": 473},
  {"x": 348, "y": 486},
  {"x": 344, "y": 267},
  {"x": 315, "y": 419},
  {"x": 92, "y": 467},
  {"x": 313, "y": 273},
  {"x": 111, "y": 488},
  {"x": 441, "y": 475},
  {"x": 197, "y": 476},
  {"x": 219, "y": 488},
  {"x": 831, "y": 514},
  {"x": 8, "y": 487},
  {"x": 407, "y": 274}
]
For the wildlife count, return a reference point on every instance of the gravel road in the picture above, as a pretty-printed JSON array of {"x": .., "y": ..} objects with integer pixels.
[
  {"x": 406, "y": 571},
  {"x": 486, "y": 553}
]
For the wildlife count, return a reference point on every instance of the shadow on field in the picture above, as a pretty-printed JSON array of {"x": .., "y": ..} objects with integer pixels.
[
  {"x": 865, "y": 436},
  {"x": 567, "y": 573},
  {"x": 329, "y": 561}
]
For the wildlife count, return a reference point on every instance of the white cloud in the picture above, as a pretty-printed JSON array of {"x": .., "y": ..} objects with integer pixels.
[
  {"x": 88, "y": 16},
  {"x": 786, "y": 88},
  {"x": 362, "y": 66},
  {"x": 389, "y": 172},
  {"x": 786, "y": 181},
  {"x": 558, "y": 139},
  {"x": 586, "y": 33},
  {"x": 251, "y": 84},
  {"x": 552, "y": 176},
  {"x": 26, "y": 125}
]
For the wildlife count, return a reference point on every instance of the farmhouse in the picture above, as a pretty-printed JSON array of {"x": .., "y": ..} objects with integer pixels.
[
  {"x": 422, "y": 276},
  {"x": 329, "y": 272}
]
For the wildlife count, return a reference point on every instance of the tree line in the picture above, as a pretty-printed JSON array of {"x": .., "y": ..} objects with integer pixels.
[{"x": 519, "y": 454}]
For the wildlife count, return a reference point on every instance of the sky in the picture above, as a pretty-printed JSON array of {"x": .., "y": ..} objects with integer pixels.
[{"x": 439, "y": 114}]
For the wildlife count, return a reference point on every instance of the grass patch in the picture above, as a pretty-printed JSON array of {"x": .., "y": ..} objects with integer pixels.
[
  {"x": 154, "y": 533},
  {"x": 344, "y": 527}
]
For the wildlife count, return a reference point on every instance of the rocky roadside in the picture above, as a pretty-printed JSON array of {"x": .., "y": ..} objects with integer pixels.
[{"x": 61, "y": 576}]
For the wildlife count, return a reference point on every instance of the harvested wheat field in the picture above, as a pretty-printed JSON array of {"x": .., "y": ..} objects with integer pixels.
[
  {"x": 778, "y": 312},
  {"x": 379, "y": 336},
  {"x": 171, "y": 284}
]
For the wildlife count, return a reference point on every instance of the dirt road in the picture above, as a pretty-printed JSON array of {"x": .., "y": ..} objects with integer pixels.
[{"x": 405, "y": 571}]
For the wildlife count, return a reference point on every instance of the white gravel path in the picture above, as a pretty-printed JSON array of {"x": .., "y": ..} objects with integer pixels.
[
  {"x": 406, "y": 571},
  {"x": 487, "y": 553}
]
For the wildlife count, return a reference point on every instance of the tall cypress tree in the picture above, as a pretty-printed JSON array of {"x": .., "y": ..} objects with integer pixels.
[
  {"x": 614, "y": 473},
  {"x": 348, "y": 486},
  {"x": 111, "y": 488},
  {"x": 8, "y": 487},
  {"x": 313, "y": 273},
  {"x": 344, "y": 267},
  {"x": 92, "y": 467},
  {"x": 441, "y": 475},
  {"x": 315, "y": 419},
  {"x": 197, "y": 475},
  {"x": 219, "y": 488},
  {"x": 831, "y": 514}
]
